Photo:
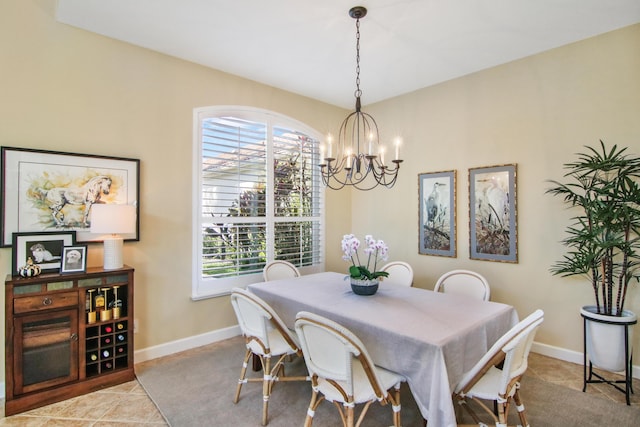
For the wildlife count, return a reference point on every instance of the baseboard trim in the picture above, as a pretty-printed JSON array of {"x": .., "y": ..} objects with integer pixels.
[
  {"x": 183, "y": 344},
  {"x": 569, "y": 355}
]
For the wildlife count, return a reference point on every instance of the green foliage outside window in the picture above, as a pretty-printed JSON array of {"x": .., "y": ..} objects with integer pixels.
[{"x": 240, "y": 248}]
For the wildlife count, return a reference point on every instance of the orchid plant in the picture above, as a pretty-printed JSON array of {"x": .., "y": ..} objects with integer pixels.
[{"x": 375, "y": 251}]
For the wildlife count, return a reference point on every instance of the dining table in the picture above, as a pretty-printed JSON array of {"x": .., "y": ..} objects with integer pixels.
[{"x": 430, "y": 338}]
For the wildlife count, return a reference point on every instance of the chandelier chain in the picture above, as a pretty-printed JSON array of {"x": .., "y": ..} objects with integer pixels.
[{"x": 358, "y": 92}]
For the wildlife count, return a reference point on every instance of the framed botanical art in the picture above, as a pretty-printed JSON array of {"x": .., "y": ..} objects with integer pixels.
[
  {"x": 44, "y": 249},
  {"x": 44, "y": 191},
  {"x": 437, "y": 218},
  {"x": 492, "y": 213}
]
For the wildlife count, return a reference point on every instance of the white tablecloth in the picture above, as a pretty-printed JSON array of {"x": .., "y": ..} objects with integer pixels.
[{"x": 430, "y": 338}]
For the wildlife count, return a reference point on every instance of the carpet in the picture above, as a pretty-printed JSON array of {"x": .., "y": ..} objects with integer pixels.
[{"x": 196, "y": 388}]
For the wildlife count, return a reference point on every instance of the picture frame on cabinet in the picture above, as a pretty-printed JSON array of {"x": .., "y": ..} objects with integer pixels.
[
  {"x": 492, "y": 213},
  {"x": 437, "y": 213},
  {"x": 45, "y": 191},
  {"x": 44, "y": 249},
  {"x": 74, "y": 259}
]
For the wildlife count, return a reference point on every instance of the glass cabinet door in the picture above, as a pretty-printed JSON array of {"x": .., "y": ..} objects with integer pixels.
[{"x": 46, "y": 347}]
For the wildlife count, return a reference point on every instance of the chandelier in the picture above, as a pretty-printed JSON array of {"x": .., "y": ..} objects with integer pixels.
[{"x": 358, "y": 158}]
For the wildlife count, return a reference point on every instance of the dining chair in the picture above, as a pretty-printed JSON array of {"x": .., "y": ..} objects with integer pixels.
[
  {"x": 342, "y": 371},
  {"x": 488, "y": 382},
  {"x": 464, "y": 282},
  {"x": 266, "y": 337},
  {"x": 400, "y": 273},
  {"x": 279, "y": 269}
]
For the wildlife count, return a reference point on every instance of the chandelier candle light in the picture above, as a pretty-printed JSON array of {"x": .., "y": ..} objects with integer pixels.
[{"x": 359, "y": 157}]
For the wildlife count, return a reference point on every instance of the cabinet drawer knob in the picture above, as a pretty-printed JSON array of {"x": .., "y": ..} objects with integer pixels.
[
  {"x": 74, "y": 337},
  {"x": 47, "y": 301}
]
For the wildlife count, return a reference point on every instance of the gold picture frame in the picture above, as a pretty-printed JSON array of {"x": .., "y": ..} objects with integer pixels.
[
  {"x": 493, "y": 232},
  {"x": 437, "y": 217}
]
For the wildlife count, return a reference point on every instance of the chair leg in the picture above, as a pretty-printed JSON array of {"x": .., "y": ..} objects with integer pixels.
[
  {"x": 363, "y": 412},
  {"x": 396, "y": 410},
  {"x": 394, "y": 398},
  {"x": 256, "y": 364},
  {"x": 520, "y": 408},
  {"x": 266, "y": 389},
  {"x": 464, "y": 404},
  {"x": 270, "y": 374},
  {"x": 243, "y": 374},
  {"x": 502, "y": 413},
  {"x": 313, "y": 405},
  {"x": 350, "y": 415},
  {"x": 342, "y": 412}
]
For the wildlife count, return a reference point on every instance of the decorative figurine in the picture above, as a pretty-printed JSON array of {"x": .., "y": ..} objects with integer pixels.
[{"x": 30, "y": 270}]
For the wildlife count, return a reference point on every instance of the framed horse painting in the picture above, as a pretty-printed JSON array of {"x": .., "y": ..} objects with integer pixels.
[{"x": 51, "y": 191}]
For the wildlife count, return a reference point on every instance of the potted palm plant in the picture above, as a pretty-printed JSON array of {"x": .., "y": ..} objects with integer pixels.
[{"x": 604, "y": 245}]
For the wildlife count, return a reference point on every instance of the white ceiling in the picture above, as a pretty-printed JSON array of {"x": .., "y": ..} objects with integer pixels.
[{"x": 308, "y": 46}]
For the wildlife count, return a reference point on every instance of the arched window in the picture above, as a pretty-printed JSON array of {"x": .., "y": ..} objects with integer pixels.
[{"x": 258, "y": 197}]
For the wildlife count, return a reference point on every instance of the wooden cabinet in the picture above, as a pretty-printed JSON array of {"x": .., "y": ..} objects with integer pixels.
[{"x": 67, "y": 335}]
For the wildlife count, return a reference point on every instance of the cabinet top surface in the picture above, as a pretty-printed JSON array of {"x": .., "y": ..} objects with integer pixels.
[{"x": 47, "y": 277}]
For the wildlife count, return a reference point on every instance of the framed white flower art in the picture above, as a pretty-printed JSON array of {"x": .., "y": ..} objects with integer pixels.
[{"x": 492, "y": 213}]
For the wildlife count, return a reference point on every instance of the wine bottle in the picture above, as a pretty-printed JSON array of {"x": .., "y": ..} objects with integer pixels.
[
  {"x": 106, "y": 353},
  {"x": 93, "y": 357},
  {"x": 120, "y": 326},
  {"x": 120, "y": 337},
  {"x": 108, "y": 329},
  {"x": 99, "y": 301}
]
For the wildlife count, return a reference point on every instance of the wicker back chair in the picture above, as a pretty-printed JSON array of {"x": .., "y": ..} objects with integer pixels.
[
  {"x": 485, "y": 381},
  {"x": 464, "y": 282},
  {"x": 342, "y": 371},
  {"x": 276, "y": 270},
  {"x": 267, "y": 338},
  {"x": 400, "y": 273}
]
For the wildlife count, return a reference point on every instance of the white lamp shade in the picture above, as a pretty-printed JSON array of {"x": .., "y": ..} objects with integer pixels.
[{"x": 113, "y": 220}]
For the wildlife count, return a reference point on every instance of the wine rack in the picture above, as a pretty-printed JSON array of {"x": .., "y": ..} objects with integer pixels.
[
  {"x": 67, "y": 335},
  {"x": 107, "y": 347}
]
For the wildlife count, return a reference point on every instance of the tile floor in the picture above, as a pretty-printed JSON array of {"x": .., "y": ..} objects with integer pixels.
[
  {"x": 127, "y": 405},
  {"x": 124, "y": 405}
]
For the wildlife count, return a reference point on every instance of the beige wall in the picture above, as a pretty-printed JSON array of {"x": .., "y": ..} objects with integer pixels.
[
  {"x": 535, "y": 112},
  {"x": 66, "y": 89}
]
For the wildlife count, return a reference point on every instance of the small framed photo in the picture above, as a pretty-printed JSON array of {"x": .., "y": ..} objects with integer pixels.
[
  {"x": 492, "y": 213},
  {"x": 74, "y": 259},
  {"x": 44, "y": 249},
  {"x": 437, "y": 205}
]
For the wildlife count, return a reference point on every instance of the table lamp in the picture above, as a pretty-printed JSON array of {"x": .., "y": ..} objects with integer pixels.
[{"x": 112, "y": 220}]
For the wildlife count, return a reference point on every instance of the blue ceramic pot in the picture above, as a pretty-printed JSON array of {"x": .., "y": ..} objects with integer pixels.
[{"x": 364, "y": 287}]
